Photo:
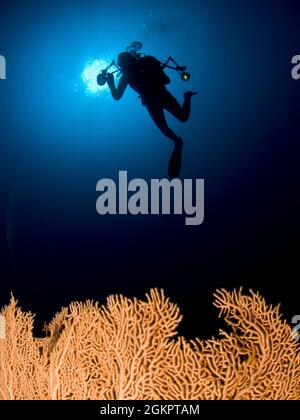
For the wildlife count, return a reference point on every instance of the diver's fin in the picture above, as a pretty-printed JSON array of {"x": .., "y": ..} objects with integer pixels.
[{"x": 175, "y": 160}]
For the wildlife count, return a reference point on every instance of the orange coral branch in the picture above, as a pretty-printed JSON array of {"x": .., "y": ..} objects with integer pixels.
[{"x": 127, "y": 350}]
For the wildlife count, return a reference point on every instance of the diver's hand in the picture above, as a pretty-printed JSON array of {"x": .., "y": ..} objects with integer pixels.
[{"x": 110, "y": 79}]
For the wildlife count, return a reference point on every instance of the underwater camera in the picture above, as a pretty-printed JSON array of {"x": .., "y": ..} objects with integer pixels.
[
  {"x": 102, "y": 78},
  {"x": 134, "y": 48}
]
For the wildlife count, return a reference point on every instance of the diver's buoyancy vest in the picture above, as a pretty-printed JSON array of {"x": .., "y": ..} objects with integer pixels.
[{"x": 148, "y": 76}]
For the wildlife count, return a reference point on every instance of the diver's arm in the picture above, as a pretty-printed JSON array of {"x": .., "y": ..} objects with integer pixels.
[{"x": 118, "y": 92}]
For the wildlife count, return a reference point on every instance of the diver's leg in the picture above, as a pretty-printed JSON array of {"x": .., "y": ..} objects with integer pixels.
[
  {"x": 186, "y": 107},
  {"x": 182, "y": 113},
  {"x": 175, "y": 161},
  {"x": 157, "y": 114}
]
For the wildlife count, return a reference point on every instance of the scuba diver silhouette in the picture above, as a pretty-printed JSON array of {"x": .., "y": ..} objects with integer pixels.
[{"x": 145, "y": 74}]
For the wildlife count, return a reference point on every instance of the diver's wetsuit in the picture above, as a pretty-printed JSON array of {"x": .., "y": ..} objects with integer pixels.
[{"x": 149, "y": 81}]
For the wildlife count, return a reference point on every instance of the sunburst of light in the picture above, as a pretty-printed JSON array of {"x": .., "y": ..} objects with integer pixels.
[{"x": 89, "y": 76}]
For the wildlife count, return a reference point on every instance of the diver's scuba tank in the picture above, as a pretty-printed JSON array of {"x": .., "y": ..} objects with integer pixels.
[{"x": 134, "y": 48}]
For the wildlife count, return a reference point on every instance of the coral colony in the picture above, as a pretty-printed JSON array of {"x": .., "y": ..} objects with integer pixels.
[
  {"x": 129, "y": 349},
  {"x": 2, "y": 67},
  {"x": 154, "y": 199}
]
